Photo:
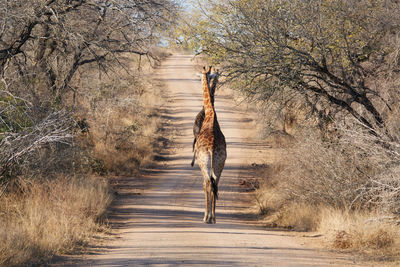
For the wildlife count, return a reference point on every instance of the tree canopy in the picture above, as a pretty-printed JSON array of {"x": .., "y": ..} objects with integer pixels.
[{"x": 329, "y": 53}]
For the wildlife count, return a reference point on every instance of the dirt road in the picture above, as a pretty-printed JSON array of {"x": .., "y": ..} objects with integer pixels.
[{"x": 158, "y": 218}]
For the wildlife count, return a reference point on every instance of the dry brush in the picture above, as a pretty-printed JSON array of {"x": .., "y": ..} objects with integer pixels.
[{"x": 73, "y": 95}]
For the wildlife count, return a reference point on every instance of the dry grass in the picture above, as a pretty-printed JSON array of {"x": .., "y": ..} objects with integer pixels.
[
  {"x": 49, "y": 217},
  {"x": 370, "y": 233},
  {"x": 272, "y": 201},
  {"x": 299, "y": 217},
  {"x": 336, "y": 187},
  {"x": 363, "y": 231}
]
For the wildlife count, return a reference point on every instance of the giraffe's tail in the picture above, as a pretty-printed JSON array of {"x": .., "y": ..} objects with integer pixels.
[
  {"x": 194, "y": 153},
  {"x": 214, "y": 186},
  {"x": 194, "y": 158}
]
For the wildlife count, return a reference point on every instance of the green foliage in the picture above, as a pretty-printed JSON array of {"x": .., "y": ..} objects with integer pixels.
[
  {"x": 13, "y": 117},
  {"x": 328, "y": 51}
]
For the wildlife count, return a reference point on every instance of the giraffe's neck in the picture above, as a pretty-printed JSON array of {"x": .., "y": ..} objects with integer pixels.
[
  {"x": 212, "y": 89},
  {"x": 208, "y": 105}
]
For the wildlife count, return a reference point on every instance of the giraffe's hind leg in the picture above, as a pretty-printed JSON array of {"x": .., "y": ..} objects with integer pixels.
[
  {"x": 208, "y": 218},
  {"x": 219, "y": 164},
  {"x": 213, "y": 202},
  {"x": 203, "y": 159},
  {"x": 207, "y": 202}
]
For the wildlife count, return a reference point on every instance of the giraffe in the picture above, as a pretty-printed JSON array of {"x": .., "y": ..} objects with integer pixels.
[
  {"x": 200, "y": 116},
  {"x": 210, "y": 151}
]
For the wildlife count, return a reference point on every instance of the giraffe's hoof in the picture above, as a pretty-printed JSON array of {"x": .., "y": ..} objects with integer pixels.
[{"x": 209, "y": 220}]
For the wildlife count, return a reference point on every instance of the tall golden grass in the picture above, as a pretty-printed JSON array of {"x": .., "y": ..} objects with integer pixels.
[
  {"x": 359, "y": 230},
  {"x": 46, "y": 217}
]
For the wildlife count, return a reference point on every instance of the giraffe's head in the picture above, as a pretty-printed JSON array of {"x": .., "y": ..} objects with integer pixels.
[
  {"x": 206, "y": 70},
  {"x": 213, "y": 83},
  {"x": 213, "y": 77},
  {"x": 206, "y": 73},
  {"x": 212, "y": 80}
]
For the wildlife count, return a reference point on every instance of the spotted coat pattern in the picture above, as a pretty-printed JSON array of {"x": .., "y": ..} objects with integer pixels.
[
  {"x": 198, "y": 122},
  {"x": 210, "y": 152}
]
